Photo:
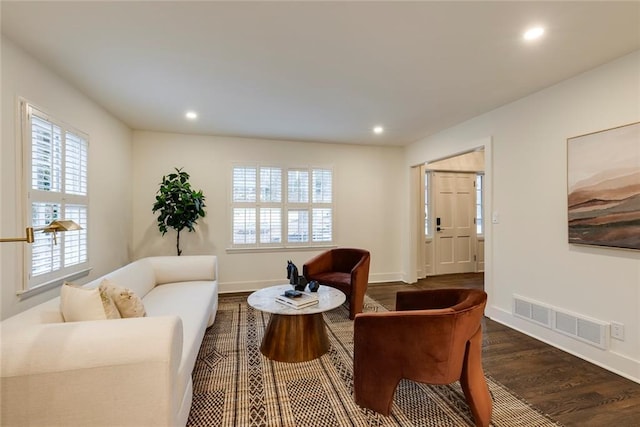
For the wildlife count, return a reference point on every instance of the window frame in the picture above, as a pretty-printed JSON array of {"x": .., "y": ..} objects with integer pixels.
[
  {"x": 480, "y": 201},
  {"x": 427, "y": 208},
  {"x": 285, "y": 206},
  {"x": 65, "y": 197}
]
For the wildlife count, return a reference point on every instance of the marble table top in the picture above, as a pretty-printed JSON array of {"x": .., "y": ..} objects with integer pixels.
[{"x": 265, "y": 300}]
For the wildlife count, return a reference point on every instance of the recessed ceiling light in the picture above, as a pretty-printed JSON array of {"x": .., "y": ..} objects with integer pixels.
[
  {"x": 378, "y": 130},
  {"x": 191, "y": 115},
  {"x": 533, "y": 33}
]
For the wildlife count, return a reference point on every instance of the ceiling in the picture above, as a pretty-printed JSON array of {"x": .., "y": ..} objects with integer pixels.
[{"x": 315, "y": 71}]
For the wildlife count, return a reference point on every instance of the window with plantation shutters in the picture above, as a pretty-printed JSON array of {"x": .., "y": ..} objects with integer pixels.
[
  {"x": 75, "y": 173},
  {"x": 292, "y": 206},
  {"x": 321, "y": 208},
  {"x": 56, "y": 162},
  {"x": 427, "y": 203}
]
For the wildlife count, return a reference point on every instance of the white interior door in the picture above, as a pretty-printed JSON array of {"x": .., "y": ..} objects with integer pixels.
[{"x": 455, "y": 230}]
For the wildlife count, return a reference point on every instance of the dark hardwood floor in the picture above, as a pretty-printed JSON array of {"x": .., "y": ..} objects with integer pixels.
[{"x": 572, "y": 391}]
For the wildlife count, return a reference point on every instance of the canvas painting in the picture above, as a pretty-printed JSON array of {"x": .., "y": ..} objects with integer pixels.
[{"x": 604, "y": 188}]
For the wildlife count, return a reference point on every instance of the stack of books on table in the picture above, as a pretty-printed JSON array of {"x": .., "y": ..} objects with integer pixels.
[{"x": 296, "y": 299}]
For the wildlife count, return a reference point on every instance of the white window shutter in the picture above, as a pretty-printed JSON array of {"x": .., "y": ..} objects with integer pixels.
[{"x": 57, "y": 163}]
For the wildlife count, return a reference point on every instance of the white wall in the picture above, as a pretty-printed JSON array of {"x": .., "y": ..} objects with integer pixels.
[
  {"x": 530, "y": 255},
  {"x": 109, "y": 175},
  {"x": 367, "y": 190},
  {"x": 467, "y": 162}
]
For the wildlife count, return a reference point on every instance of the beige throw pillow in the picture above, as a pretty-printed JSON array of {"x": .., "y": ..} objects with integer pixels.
[
  {"x": 128, "y": 303},
  {"x": 79, "y": 304}
]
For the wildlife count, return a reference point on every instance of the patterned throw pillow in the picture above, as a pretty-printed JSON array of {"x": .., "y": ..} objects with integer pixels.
[
  {"x": 127, "y": 302},
  {"x": 79, "y": 304}
]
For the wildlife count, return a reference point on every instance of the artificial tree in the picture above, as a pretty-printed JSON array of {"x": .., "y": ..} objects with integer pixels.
[{"x": 179, "y": 205}]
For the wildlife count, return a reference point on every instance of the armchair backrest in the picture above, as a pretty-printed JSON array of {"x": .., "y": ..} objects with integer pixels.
[
  {"x": 345, "y": 259},
  {"x": 432, "y": 328},
  {"x": 454, "y": 299}
]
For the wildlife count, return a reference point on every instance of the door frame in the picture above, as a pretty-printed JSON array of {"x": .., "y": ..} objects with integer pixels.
[{"x": 442, "y": 152}]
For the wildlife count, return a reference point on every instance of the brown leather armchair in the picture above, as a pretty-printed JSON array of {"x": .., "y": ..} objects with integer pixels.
[
  {"x": 433, "y": 337},
  {"x": 345, "y": 269}
]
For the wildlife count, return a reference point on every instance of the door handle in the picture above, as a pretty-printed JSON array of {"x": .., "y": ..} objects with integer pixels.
[{"x": 438, "y": 224}]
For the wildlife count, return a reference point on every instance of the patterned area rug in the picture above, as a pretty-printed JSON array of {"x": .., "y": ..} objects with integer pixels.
[{"x": 235, "y": 385}]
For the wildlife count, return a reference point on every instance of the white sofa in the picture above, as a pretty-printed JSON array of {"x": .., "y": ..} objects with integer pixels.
[{"x": 124, "y": 372}]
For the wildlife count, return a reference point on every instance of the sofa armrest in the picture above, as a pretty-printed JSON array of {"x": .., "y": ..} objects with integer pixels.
[{"x": 98, "y": 373}]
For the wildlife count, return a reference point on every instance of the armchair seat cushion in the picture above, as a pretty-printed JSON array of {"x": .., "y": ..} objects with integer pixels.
[{"x": 335, "y": 279}]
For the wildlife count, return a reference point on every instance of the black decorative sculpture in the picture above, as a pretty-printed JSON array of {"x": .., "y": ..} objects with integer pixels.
[
  {"x": 292, "y": 273},
  {"x": 302, "y": 283},
  {"x": 295, "y": 280}
]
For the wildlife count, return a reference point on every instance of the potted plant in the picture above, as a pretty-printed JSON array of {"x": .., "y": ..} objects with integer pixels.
[{"x": 179, "y": 205}]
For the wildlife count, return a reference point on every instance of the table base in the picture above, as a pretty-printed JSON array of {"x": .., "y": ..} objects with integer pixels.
[{"x": 297, "y": 338}]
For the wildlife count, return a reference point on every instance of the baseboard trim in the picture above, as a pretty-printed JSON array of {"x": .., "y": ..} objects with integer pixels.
[{"x": 610, "y": 360}]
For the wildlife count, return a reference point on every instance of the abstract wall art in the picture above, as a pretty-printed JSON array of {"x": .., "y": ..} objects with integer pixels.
[{"x": 604, "y": 187}]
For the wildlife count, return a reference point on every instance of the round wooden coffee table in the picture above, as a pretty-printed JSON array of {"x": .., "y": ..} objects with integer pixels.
[{"x": 295, "y": 335}]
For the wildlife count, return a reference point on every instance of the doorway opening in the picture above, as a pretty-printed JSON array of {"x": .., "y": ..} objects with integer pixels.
[{"x": 452, "y": 234}]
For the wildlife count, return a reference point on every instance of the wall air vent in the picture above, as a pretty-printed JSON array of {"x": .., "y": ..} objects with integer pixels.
[
  {"x": 532, "y": 311},
  {"x": 579, "y": 327}
]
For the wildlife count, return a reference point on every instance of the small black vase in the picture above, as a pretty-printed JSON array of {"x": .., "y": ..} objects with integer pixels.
[{"x": 314, "y": 285}]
